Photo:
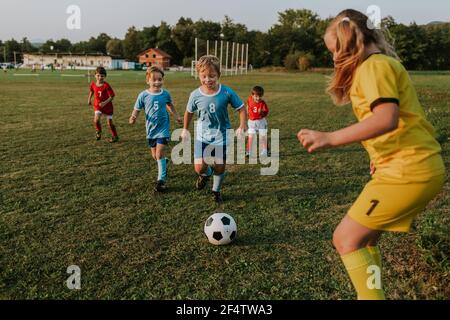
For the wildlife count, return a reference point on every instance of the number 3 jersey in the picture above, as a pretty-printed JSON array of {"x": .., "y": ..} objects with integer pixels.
[
  {"x": 157, "y": 121},
  {"x": 212, "y": 112}
]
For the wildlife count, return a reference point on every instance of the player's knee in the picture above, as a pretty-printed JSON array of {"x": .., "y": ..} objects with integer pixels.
[
  {"x": 344, "y": 244},
  {"x": 200, "y": 169},
  {"x": 219, "y": 169}
]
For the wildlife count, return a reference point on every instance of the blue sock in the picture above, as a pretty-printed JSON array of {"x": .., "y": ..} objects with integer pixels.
[
  {"x": 218, "y": 180},
  {"x": 208, "y": 172},
  {"x": 162, "y": 170}
]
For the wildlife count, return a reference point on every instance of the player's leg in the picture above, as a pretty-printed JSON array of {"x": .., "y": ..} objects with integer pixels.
[
  {"x": 112, "y": 129},
  {"x": 159, "y": 152},
  {"x": 220, "y": 156},
  {"x": 374, "y": 250},
  {"x": 203, "y": 170},
  {"x": 251, "y": 137},
  {"x": 262, "y": 130},
  {"x": 350, "y": 240},
  {"x": 98, "y": 125}
]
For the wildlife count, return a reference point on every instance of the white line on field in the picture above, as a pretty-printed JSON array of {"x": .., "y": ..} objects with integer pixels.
[
  {"x": 26, "y": 74},
  {"x": 73, "y": 75}
]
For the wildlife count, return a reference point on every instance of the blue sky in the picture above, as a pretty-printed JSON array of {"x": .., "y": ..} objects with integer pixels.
[{"x": 45, "y": 19}]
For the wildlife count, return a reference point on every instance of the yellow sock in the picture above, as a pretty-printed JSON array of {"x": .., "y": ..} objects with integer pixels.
[
  {"x": 365, "y": 274},
  {"x": 376, "y": 255}
]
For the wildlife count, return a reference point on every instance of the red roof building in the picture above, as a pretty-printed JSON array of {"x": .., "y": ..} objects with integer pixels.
[{"x": 155, "y": 57}]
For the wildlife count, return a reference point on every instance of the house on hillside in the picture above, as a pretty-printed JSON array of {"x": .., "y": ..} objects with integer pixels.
[{"x": 155, "y": 57}]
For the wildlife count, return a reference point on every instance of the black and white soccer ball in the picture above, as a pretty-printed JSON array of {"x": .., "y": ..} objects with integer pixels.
[{"x": 220, "y": 229}]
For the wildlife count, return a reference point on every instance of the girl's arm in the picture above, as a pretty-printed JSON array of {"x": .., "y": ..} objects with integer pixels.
[
  {"x": 90, "y": 97},
  {"x": 384, "y": 119},
  {"x": 134, "y": 116},
  {"x": 174, "y": 112}
]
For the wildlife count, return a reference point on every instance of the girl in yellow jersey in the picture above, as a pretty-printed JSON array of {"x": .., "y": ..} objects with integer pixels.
[{"x": 406, "y": 166}]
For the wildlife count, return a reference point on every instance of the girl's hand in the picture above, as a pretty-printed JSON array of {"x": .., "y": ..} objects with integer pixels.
[
  {"x": 102, "y": 104},
  {"x": 132, "y": 120},
  {"x": 314, "y": 140},
  {"x": 372, "y": 168},
  {"x": 179, "y": 120}
]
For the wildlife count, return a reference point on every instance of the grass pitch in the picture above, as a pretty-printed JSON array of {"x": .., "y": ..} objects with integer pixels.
[{"x": 66, "y": 199}]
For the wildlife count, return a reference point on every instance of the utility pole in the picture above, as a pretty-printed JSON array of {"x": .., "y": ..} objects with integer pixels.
[
  {"x": 15, "y": 60},
  {"x": 4, "y": 54}
]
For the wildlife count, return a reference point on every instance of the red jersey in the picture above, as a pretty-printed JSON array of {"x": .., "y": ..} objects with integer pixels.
[
  {"x": 257, "y": 111},
  {"x": 102, "y": 93}
]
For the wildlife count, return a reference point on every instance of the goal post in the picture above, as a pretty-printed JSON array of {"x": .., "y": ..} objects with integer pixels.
[{"x": 233, "y": 56}]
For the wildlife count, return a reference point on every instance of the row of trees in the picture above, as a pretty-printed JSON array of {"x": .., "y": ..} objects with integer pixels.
[{"x": 296, "y": 37}]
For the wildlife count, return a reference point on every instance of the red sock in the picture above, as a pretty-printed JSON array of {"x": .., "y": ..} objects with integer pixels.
[
  {"x": 249, "y": 143},
  {"x": 112, "y": 129},
  {"x": 98, "y": 126}
]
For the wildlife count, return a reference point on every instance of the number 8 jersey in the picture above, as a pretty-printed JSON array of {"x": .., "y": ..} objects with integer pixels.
[
  {"x": 157, "y": 121},
  {"x": 212, "y": 112}
]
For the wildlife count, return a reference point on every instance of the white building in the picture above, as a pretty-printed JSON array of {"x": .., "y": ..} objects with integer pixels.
[{"x": 67, "y": 60}]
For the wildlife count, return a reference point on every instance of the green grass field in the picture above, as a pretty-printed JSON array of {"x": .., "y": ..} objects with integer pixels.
[{"x": 66, "y": 199}]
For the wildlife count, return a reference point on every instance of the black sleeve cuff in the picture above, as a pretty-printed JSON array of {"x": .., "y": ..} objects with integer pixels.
[{"x": 379, "y": 101}]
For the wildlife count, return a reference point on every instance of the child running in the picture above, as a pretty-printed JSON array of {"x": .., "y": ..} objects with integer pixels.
[
  {"x": 155, "y": 101},
  {"x": 257, "y": 120},
  {"x": 103, "y": 96},
  {"x": 210, "y": 103}
]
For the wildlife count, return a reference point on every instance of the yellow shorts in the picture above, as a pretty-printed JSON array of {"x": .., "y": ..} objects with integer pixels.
[{"x": 389, "y": 206}]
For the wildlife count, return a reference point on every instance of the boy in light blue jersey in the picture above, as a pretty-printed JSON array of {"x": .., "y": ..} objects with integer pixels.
[
  {"x": 210, "y": 103},
  {"x": 155, "y": 102}
]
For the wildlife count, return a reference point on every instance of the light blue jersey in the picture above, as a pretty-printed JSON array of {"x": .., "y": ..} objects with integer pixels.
[
  {"x": 157, "y": 121},
  {"x": 212, "y": 113}
]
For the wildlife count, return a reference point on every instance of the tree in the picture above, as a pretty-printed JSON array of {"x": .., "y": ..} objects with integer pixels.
[
  {"x": 26, "y": 46},
  {"x": 183, "y": 37},
  {"x": 165, "y": 42},
  {"x": 234, "y": 31},
  {"x": 131, "y": 44},
  {"x": 12, "y": 46},
  {"x": 114, "y": 47},
  {"x": 207, "y": 30},
  {"x": 98, "y": 45},
  {"x": 148, "y": 37}
]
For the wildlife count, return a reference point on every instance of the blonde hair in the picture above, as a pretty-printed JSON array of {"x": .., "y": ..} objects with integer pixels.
[
  {"x": 353, "y": 31},
  {"x": 208, "y": 62},
  {"x": 153, "y": 69}
]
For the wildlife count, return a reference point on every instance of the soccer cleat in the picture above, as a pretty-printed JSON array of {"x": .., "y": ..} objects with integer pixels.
[
  {"x": 217, "y": 197},
  {"x": 201, "y": 182},
  {"x": 98, "y": 135},
  {"x": 160, "y": 186},
  {"x": 114, "y": 140}
]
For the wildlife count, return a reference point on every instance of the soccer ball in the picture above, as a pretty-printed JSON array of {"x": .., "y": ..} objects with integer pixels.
[{"x": 220, "y": 229}]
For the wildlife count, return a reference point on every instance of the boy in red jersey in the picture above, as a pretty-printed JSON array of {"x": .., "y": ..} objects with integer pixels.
[
  {"x": 257, "y": 123},
  {"x": 103, "y": 97}
]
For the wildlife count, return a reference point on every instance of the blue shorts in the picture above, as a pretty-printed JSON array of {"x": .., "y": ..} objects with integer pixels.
[
  {"x": 153, "y": 142},
  {"x": 204, "y": 150}
]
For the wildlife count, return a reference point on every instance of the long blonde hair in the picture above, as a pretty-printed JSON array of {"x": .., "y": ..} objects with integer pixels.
[{"x": 353, "y": 31}]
